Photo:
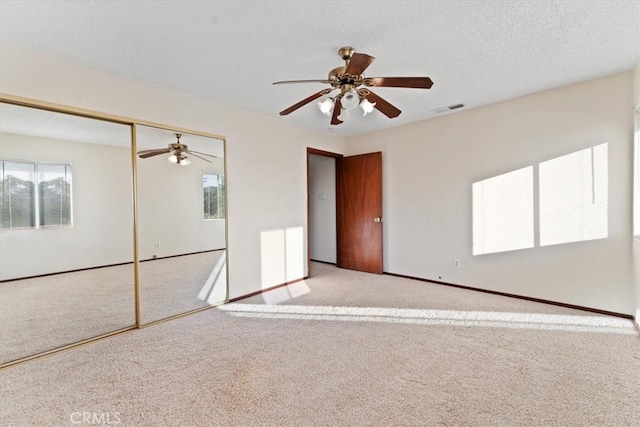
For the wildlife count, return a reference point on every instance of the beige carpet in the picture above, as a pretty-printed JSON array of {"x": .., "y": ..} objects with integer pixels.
[
  {"x": 44, "y": 313},
  {"x": 345, "y": 349}
]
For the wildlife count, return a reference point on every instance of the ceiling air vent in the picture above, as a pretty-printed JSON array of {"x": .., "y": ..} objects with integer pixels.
[{"x": 446, "y": 109}]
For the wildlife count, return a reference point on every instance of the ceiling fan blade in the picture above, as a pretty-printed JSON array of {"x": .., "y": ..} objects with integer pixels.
[
  {"x": 150, "y": 153},
  {"x": 284, "y": 82},
  {"x": 200, "y": 157},
  {"x": 304, "y": 102},
  {"x": 151, "y": 150},
  {"x": 408, "y": 82},
  {"x": 383, "y": 106},
  {"x": 336, "y": 112},
  {"x": 202, "y": 154},
  {"x": 358, "y": 63}
]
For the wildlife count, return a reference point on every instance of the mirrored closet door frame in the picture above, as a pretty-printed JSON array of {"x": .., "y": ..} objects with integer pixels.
[{"x": 133, "y": 124}]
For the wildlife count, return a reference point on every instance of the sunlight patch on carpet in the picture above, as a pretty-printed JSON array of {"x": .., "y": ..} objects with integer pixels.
[{"x": 538, "y": 321}]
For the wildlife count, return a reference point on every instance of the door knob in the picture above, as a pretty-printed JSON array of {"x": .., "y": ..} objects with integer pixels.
[{"x": 377, "y": 219}]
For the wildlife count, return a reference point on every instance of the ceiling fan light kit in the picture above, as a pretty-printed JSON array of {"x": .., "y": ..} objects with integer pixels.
[
  {"x": 177, "y": 150},
  {"x": 367, "y": 107},
  {"x": 181, "y": 160},
  {"x": 354, "y": 88},
  {"x": 350, "y": 99},
  {"x": 344, "y": 115},
  {"x": 326, "y": 106}
]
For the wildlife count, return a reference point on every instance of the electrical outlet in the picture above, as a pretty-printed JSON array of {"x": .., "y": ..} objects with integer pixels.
[
  {"x": 157, "y": 245},
  {"x": 456, "y": 263}
]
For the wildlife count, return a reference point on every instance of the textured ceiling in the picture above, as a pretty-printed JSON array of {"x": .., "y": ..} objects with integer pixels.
[{"x": 476, "y": 52}]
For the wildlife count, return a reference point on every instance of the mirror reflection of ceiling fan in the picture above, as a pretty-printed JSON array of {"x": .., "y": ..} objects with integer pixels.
[
  {"x": 177, "y": 150},
  {"x": 354, "y": 88}
]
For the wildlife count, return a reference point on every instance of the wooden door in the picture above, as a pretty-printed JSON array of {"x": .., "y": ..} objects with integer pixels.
[{"x": 359, "y": 212}]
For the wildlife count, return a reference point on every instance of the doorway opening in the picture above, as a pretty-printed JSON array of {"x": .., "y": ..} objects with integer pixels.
[
  {"x": 344, "y": 210},
  {"x": 321, "y": 206}
]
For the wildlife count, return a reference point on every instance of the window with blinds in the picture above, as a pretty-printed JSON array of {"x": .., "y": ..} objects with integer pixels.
[{"x": 34, "y": 195}]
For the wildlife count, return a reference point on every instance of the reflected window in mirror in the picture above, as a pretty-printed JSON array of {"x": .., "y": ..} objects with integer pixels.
[
  {"x": 66, "y": 228},
  {"x": 214, "y": 196},
  {"x": 54, "y": 195},
  {"x": 34, "y": 195},
  {"x": 182, "y": 224}
]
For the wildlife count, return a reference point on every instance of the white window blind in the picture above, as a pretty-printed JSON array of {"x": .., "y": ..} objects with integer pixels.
[
  {"x": 18, "y": 209},
  {"x": 54, "y": 195},
  {"x": 503, "y": 212}
]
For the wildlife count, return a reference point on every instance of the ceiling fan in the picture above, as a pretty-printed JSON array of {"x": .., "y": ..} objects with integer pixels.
[
  {"x": 178, "y": 151},
  {"x": 354, "y": 88}
]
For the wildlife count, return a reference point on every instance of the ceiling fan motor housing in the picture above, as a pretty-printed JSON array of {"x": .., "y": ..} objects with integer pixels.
[
  {"x": 177, "y": 146},
  {"x": 336, "y": 72}
]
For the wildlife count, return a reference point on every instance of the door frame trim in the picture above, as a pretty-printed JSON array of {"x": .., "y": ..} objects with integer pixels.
[{"x": 323, "y": 153}]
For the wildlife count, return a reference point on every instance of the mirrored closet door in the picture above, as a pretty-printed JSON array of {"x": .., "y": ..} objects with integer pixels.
[
  {"x": 181, "y": 193},
  {"x": 66, "y": 230}
]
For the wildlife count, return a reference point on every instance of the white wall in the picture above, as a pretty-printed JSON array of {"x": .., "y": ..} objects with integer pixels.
[
  {"x": 430, "y": 166},
  {"x": 428, "y": 171},
  {"x": 636, "y": 241},
  {"x": 266, "y": 158},
  {"x": 322, "y": 208},
  {"x": 636, "y": 87},
  {"x": 102, "y": 203}
]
